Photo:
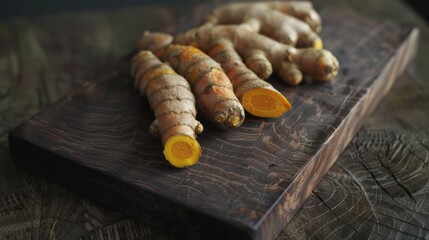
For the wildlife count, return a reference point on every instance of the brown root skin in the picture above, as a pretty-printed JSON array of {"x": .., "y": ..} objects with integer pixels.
[
  {"x": 257, "y": 61},
  {"x": 154, "y": 41},
  {"x": 289, "y": 73},
  {"x": 210, "y": 85},
  {"x": 302, "y": 10},
  {"x": 291, "y": 23},
  {"x": 258, "y": 97},
  {"x": 290, "y": 63},
  {"x": 261, "y": 95},
  {"x": 173, "y": 104},
  {"x": 320, "y": 65}
]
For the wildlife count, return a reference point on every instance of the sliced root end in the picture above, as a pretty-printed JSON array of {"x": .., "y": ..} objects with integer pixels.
[
  {"x": 263, "y": 102},
  {"x": 182, "y": 151},
  {"x": 227, "y": 122},
  {"x": 234, "y": 121}
]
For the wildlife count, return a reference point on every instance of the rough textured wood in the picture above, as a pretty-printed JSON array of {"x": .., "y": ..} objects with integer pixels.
[
  {"x": 378, "y": 189},
  {"x": 348, "y": 201},
  {"x": 249, "y": 181}
]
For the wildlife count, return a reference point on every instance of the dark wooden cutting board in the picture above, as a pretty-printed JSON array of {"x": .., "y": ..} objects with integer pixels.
[{"x": 249, "y": 181}]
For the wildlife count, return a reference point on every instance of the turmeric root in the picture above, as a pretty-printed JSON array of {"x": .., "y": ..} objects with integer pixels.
[
  {"x": 226, "y": 43},
  {"x": 257, "y": 96},
  {"x": 264, "y": 35},
  {"x": 210, "y": 85},
  {"x": 292, "y": 23},
  {"x": 173, "y": 103},
  {"x": 290, "y": 63}
]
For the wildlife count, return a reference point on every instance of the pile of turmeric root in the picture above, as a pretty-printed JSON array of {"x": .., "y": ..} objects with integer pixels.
[{"x": 219, "y": 68}]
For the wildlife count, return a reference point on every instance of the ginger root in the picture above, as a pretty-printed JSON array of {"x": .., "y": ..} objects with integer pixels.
[
  {"x": 210, "y": 85},
  {"x": 173, "y": 104}
]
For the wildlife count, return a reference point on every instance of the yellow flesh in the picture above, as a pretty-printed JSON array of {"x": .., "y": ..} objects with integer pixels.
[
  {"x": 264, "y": 102},
  {"x": 318, "y": 44},
  {"x": 182, "y": 151}
]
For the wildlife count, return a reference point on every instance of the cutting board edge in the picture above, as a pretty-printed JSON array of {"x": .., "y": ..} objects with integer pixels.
[
  {"x": 23, "y": 160},
  {"x": 393, "y": 69},
  {"x": 250, "y": 230}
]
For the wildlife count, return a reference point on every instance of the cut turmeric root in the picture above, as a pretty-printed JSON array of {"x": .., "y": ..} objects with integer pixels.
[
  {"x": 228, "y": 44},
  {"x": 210, "y": 85},
  {"x": 182, "y": 151},
  {"x": 257, "y": 96},
  {"x": 264, "y": 102},
  {"x": 246, "y": 43},
  {"x": 173, "y": 103}
]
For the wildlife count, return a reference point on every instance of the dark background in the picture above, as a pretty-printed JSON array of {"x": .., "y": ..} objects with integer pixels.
[
  {"x": 42, "y": 7},
  {"x": 420, "y": 7}
]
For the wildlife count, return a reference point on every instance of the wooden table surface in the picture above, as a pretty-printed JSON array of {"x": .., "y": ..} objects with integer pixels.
[{"x": 378, "y": 189}]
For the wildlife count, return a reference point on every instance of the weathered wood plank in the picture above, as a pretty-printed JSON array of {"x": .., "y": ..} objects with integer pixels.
[
  {"x": 41, "y": 59},
  {"x": 379, "y": 187},
  {"x": 249, "y": 181},
  {"x": 377, "y": 190},
  {"x": 402, "y": 113}
]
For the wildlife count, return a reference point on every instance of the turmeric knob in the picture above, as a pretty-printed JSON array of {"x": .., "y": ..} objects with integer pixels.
[
  {"x": 319, "y": 64},
  {"x": 210, "y": 85},
  {"x": 173, "y": 104}
]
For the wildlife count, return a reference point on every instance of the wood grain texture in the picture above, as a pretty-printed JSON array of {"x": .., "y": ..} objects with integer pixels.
[
  {"x": 378, "y": 189},
  {"x": 403, "y": 113},
  {"x": 41, "y": 59},
  {"x": 250, "y": 181}
]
